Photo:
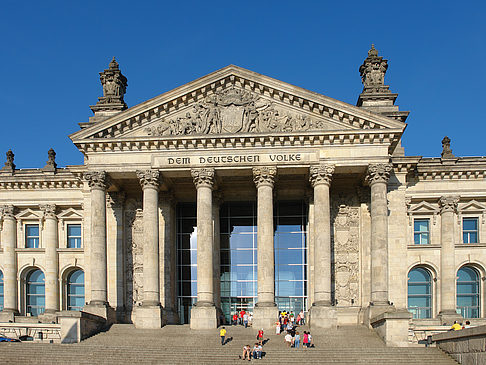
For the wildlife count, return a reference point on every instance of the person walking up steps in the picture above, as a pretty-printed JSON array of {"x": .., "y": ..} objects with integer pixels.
[{"x": 222, "y": 334}]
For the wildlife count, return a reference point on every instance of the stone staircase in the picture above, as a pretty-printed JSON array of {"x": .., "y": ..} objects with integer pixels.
[{"x": 123, "y": 344}]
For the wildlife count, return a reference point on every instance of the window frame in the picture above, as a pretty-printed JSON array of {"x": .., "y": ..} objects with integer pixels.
[
  {"x": 476, "y": 294},
  {"x": 469, "y": 232},
  {"x": 430, "y": 295},
  {"x": 68, "y": 285},
  {"x": 80, "y": 237},
  {"x": 420, "y": 233},
  {"x": 26, "y": 237}
]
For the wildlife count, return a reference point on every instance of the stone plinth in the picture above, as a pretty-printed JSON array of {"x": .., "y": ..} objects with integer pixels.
[
  {"x": 392, "y": 327},
  {"x": 148, "y": 317},
  {"x": 204, "y": 317},
  {"x": 101, "y": 310},
  {"x": 265, "y": 317},
  {"x": 322, "y": 317}
]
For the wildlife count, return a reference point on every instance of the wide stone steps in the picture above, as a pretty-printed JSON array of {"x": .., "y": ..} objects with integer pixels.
[{"x": 123, "y": 344}]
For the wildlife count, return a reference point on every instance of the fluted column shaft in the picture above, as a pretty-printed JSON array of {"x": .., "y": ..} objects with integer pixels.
[
  {"x": 203, "y": 179},
  {"x": 320, "y": 178},
  {"x": 97, "y": 181},
  {"x": 52, "y": 262},
  {"x": 378, "y": 176},
  {"x": 10, "y": 266},
  {"x": 149, "y": 180},
  {"x": 264, "y": 178},
  {"x": 448, "y": 206}
]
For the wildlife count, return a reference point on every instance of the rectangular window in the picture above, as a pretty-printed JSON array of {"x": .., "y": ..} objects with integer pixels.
[
  {"x": 421, "y": 234},
  {"x": 32, "y": 236},
  {"x": 74, "y": 235},
  {"x": 470, "y": 230}
]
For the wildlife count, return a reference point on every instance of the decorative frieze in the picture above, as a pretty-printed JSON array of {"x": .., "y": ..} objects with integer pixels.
[
  {"x": 264, "y": 175},
  {"x": 321, "y": 174},
  {"x": 379, "y": 173},
  {"x": 448, "y": 203},
  {"x": 203, "y": 177},
  {"x": 97, "y": 179},
  {"x": 149, "y": 178}
]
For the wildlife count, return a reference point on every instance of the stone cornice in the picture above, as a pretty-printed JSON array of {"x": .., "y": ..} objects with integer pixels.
[
  {"x": 349, "y": 137},
  {"x": 247, "y": 80}
]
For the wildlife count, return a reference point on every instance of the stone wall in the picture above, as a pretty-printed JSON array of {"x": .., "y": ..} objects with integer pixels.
[{"x": 467, "y": 346}]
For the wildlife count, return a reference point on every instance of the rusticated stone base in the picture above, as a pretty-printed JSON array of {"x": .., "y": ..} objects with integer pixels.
[
  {"x": 265, "y": 317},
  {"x": 322, "y": 317},
  {"x": 204, "y": 318},
  {"x": 149, "y": 317}
]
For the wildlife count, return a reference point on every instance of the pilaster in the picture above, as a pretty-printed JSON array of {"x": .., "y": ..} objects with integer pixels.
[{"x": 51, "y": 258}]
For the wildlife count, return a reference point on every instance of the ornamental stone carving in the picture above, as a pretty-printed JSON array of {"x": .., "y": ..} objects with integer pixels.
[
  {"x": 114, "y": 88},
  {"x": 446, "y": 148},
  {"x": 379, "y": 173},
  {"x": 321, "y": 174},
  {"x": 49, "y": 211},
  {"x": 97, "y": 179},
  {"x": 9, "y": 165},
  {"x": 203, "y": 177},
  {"x": 345, "y": 243},
  {"x": 7, "y": 211},
  {"x": 134, "y": 253},
  {"x": 234, "y": 111},
  {"x": 264, "y": 175},
  {"x": 448, "y": 203},
  {"x": 51, "y": 164},
  {"x": 149, "y": 178},
  {"x": 373, "y": 71}
]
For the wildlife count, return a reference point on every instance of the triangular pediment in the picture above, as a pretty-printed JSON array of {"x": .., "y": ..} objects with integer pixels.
[
  {"x": 236, "y": 102},
  {"x": 28, "y": 214},
  {"x": 472, "y": 206},
  {"x": 70, "y": 213},
  {"x": 423, "y": 208}
]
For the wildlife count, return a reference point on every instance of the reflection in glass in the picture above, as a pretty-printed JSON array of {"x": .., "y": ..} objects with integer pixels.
[
  {"x": 35, "y": 292},
  {"x": 420, "y": 293},
  {"x": 75, "y": 290},
  {"x": 468, "y": 292}
]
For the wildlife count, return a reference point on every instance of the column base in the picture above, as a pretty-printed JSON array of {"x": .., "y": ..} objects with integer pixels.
[
  {"x": 322, "y": 316},
  {"x": 148, "y": 316},
  {"x": 374, "y": 310},
  {"x": 448, "y": 317},
  {"x": 265, "y": 316},
  {"x": 203, "y": 317},
  {"x": 102, "y": 310}
]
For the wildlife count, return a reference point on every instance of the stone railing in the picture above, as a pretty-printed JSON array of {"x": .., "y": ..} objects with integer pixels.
[{"x": 467, "y": 346}]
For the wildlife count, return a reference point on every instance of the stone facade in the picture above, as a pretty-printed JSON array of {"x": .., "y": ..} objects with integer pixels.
[{"x": 235, "y": 135}]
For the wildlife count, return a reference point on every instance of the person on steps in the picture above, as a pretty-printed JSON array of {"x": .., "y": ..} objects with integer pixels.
[{"x": 222, "y": 334}]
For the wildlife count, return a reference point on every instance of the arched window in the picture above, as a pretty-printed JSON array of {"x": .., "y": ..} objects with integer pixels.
[
  {"x": 75, "y": 291},
  {"x": 1, "y": 291},
  {"x": 468, "y": 292},
  {"x": 420, "y": 293},
  {"x": 36, "y": 292}
]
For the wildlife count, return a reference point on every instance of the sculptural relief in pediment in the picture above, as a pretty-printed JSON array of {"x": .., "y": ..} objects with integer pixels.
[{"x": 236, "y": 111}]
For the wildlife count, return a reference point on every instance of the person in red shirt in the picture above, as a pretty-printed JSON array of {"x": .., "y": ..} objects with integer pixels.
[
  {"x": 260, "y": 337},
  {"x": 235, "y": 319},
  {"x": 242, "y": 313}
]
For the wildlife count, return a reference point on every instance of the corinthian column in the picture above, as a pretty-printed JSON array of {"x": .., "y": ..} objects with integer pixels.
[
  {"x": 378, "y": 176},
  {"x": 217, "y": 199},
  {"x": 52, "y": 262},
  {"x": 448, "y": 207},
  {"x": 98, "y": 183},
  {"x": 10, "y": 264},
  {"x": 322, "y": 314},
  {"x": 265, "y": 312},
  {"x": 149, "y": 315},
  {"x": 203, "y": 315}
]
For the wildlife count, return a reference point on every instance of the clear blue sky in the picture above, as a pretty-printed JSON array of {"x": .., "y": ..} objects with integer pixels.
[{"x": 52, "y": 52}]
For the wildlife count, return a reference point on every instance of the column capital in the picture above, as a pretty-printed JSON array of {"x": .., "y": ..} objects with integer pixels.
[
  {"x": 149, "y": 178},
  {"x": 203, "y": 177},
  {"x": 7, "y": 211},
  {"x": 448, "y": 203},
  {"x": 264, "y": 175},
  {"x": 49, "y": 211},
  {"x": 378, "y": 172},
  {"x": 97, "y": 179},
  {"x": 321, "y": 174}
]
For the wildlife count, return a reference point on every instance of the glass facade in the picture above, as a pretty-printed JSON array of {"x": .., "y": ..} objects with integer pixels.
[
  {"x": 75, "y": 291},
  {"x": 468, "y": 292},
  {"x": 35, "y": 293},
  {"x": 420, "y": 293},
  {"x": 238, "y": 255},
  {"x": 1, "y": 291},
  {"x": 421, "y": 231},
  {"x": 470, "y": 230},
  {"x": 74, "y": 235},
  {"x": 31, "y": 235}
]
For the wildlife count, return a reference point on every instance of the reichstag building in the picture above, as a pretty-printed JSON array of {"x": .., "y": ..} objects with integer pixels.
[{"x": 239, "y": 191}]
